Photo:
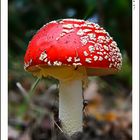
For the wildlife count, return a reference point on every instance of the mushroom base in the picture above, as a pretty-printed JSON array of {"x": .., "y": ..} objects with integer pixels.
[{"x": 71, "y": 105}]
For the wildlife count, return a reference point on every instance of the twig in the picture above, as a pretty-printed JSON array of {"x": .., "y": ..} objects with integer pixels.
[
  {"x": 58, "y": 126},
  {"x": 33, "y": 87},
  {"x": 27, "y": 96},
  {"x": 23, "y": 91}
]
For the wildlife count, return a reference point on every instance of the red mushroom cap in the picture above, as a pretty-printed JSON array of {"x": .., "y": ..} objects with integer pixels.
[{"x": 73, "y": 42}]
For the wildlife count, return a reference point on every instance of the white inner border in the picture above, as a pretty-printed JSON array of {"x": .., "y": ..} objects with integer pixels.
[
  {"x": 135, "y": 71},
  {"x": 4, "y": 70}
]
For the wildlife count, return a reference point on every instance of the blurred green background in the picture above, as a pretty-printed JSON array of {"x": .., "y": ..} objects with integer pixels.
[{"x": 25, "y": 17}]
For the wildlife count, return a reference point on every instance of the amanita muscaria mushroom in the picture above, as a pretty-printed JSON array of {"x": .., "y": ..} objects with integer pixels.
[{"x": 70, "y": 50}]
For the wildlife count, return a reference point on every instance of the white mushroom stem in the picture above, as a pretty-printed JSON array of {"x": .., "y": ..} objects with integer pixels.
[{"x": 71, "y": 105}]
